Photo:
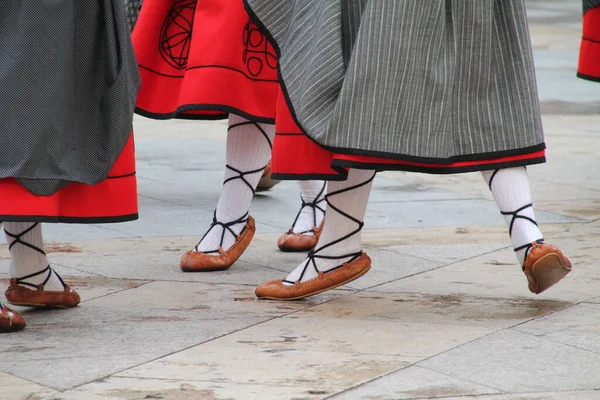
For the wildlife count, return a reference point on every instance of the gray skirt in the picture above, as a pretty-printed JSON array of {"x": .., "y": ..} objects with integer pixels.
[
  {"x": 425, "y": 81},
  {"x": 68, "y": 85}
]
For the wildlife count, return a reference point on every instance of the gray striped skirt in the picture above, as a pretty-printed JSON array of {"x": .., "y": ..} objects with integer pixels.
[{"x": 434, "y": 81}]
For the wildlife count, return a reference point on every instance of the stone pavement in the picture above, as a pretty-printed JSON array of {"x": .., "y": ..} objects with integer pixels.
[{"x": 444, "y": 313}]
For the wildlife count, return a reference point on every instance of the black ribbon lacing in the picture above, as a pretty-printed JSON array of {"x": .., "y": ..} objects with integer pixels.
[
  {"x": 48, "y": 269},
  {"x": 515, "y": 215},
  {"x": 313, "y": 254},
  {"x": 242, "y": 176},
  {"x": 314, "y": 206},
  {"x": 226, "y": 228}
]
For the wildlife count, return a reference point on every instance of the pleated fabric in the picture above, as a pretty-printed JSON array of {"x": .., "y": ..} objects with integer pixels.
[
  {"x": 589, "y": 56},
  {"x": 429, "y": 85},
  {"x": 68, "y": 84},
  {"x": 203, "y": 59}
]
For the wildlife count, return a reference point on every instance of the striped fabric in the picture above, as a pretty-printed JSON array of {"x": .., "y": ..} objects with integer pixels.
[{"x": 391, "y": 78}]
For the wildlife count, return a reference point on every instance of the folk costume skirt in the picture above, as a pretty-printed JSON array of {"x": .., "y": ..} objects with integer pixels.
[
  {"x": 68, "y": 83},
  {"x": 438, "y": 86},
  {"x": 589, "y": 56},
  {"x": 203, "y": 59}
]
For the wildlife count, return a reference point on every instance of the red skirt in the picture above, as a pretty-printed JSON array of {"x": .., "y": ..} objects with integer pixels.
[
  {"x": 203, "y": 60},
  {"x": 296, "y": 156},
  {"x": 112, "y": 200},
  {"x": 589, "y": 56}
]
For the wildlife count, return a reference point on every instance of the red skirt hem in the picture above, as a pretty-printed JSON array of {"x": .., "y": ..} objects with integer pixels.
[
  {"x": 298, "y": 157},
  {"x": 112, "y": 200},
  {"x": 589, "y": 56}
]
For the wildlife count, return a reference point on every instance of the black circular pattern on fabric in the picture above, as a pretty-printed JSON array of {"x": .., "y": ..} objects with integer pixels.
[
  {"x": 176, "y": 33},
  {"x": 257, "y": 53}
]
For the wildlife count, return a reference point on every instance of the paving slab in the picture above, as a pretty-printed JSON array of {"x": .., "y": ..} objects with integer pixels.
[
  {"x": 128, "y": 328},
  {"x": 437, "y": 311},
  {"x": 324, "y": 372},
  {"x": 445, "y": 254},
  {"x": 116, "y": 388},
  {"x": 192, "y": 153},
  {"x": 558, "y": 395},
  {"x": 583, "y": 209},
  {"x": 14, "y": 388},
  {"x": 414, "y": 382},
  {"x": 565, "y": 85},
  {"x": 497, "y": 274},
  {"x": 472, "y": 185},
  {"x": 456, "y": 234},
  {"x": 342, "y": 341},
  {"x": 577, "y": 326},
  {"x": 513, "y": 361},
  {"x": 494, "y": 281},
  {"x": 165, "y": 266},
  {"x": 389, "y": 265},
  {"x": 66, "y": 232},
  {"x": 445, "y": 213}
]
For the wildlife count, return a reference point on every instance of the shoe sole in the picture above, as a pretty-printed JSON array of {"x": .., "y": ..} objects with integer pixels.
[
  {"x": 266, "y": 184},
  {"x": 2, "y": 330},
  {"x": 295, "y": 249},
  {"x": 353, "y": 278},
  {"x": 548, "y": 271},
  {"x": 36, "y": 305},
  {"x": 212, "y": 269}
]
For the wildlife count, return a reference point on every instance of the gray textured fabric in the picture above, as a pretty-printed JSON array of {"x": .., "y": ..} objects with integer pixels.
[
  {"x": 589, "y": 4},
  {"x": 426, "y": 79},
  {"x": 68, "y": 85},
  {"x": 133, "y": 11}
]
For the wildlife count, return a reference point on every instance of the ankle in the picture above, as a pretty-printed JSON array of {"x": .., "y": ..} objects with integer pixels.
[
  {"x": 46, "y": 278},
  {"x": 523, "y": 251},
  {"x": 221, "y": 235}
]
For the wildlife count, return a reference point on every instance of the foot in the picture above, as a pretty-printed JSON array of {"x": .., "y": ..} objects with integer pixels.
[
  {"x": 337, "y": 258},
  {"x": 308, "y": 225},
  {"x": 545, "y": 265},
  {"x": 220, "y": 259},
  {"x": 299, "y": 242},
  {"x": 22, "y": 293},
  {"x": 341, "y": 275},
  {"x": 10, "y": 320}
]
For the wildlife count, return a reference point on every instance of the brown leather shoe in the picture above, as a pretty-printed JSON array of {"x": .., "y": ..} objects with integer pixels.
[
  {"x": 10, "y": 320},
  {"x": 22, "y": 296},
  {"x": 276, "y": 290},
  {"x": 266, "y": 183},
  {"x": 291, "y": 241},
  {"x": 544, "y": 266},
  {"x": 196, "y": 261}
]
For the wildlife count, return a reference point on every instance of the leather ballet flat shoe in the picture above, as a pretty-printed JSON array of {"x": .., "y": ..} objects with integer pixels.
[
  {"x": 10, "y": 320},
  {"x": 298, "y": 242},
  {"x": 19, "y": 295},
  {"x": 347, "y": 272},
  {"x": 545, "y": 265},
  {"x": 197, "y": 261}
]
